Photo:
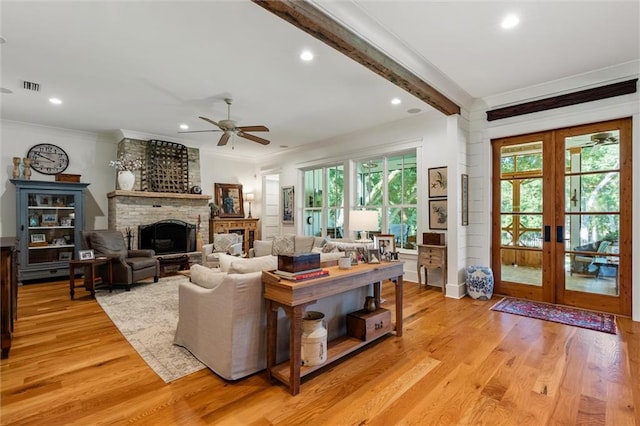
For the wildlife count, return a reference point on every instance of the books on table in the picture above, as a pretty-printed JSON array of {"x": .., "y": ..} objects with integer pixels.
[{"x": 302, "y": 275}]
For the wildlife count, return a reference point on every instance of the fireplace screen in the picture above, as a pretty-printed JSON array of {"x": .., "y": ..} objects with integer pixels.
[{"x": 168, "y": 236}]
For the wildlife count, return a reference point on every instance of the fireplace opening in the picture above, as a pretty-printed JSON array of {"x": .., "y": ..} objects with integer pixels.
[{"x": 168, "y": 236}]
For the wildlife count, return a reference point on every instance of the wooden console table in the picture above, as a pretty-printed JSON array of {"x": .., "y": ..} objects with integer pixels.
[
  {"x": 432, "y": 257},
  {"x": 248, "y": 228},
  {"x": 293, "y": 297}
]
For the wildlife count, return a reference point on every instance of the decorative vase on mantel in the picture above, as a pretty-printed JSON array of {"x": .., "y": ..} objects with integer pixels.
[{"x": 126, "y": 179}]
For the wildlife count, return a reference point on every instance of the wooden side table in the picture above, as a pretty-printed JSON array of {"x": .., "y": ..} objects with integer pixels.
[
  {"x": 432, "y": 257},
  {"x": 90, "y": 265}
]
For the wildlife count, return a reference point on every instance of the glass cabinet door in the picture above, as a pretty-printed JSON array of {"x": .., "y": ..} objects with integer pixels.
[{"x": 51, "y": 225}]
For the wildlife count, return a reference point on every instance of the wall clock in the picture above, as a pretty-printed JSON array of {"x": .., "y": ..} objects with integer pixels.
[{"x": 48, "y": 159}]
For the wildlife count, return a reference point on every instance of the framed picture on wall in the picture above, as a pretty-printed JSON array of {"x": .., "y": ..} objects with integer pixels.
[
  {"x": 288, "y": 206},
  {"x": 464, "y": 194},
  {"x": 438, "y": 214},
  {"x": 437, "y": 182},
  {"x": 228, "y": 197}
]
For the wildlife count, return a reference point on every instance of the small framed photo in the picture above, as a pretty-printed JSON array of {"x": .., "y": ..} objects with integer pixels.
[
  {"x": 86, "y": 255},
  {"x": 64, "y": 255},
  {"x": 50, "y": 219},
  {"x": 38, "y": 238},
  {"x": 65, "y": 221},
  {"x": 34, "y": 220},
  {"x": 374, "y": 256},
  {"x": 385, "y": 243},
  {"x": 353, "y": 255},
  {"x": 437, "y": 182}
]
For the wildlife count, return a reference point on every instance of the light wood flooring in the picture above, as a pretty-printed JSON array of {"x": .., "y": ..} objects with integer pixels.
[{"x": 457, "y": 363}]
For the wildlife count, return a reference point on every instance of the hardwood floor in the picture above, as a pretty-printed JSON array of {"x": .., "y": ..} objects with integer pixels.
[{"x": 457, "y": 363}]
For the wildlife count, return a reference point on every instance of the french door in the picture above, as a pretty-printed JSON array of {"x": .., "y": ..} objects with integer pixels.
[{"x": 561, "y": 225}]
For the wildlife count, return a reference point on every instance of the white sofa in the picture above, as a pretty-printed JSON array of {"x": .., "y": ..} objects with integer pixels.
[
  {"x": 330, "y": 249},
  {"x": 222, "y": 318}
]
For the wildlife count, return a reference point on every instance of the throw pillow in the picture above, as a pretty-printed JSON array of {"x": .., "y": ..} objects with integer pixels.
[
  {"x": 108, "y": 244},
  {"x": 210, "y": 278},
  {"x": 329, "y": 248},
  {"x": 223, "y": 242},
  {"x": 262, "y": 248},
  {"x": 254, "y": 264},
  {"x": 283, "y": 245},
  {"x": 303, "y": 243}
]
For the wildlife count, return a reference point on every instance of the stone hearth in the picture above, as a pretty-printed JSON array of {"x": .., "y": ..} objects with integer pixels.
[{"x": 129, "y": 209}]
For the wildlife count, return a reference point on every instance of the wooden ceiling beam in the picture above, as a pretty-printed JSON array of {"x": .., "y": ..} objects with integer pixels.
[{"x": 321, "y": 26}]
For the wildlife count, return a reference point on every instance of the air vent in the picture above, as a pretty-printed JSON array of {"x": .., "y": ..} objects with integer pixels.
[{"x": 30, "y": 85}]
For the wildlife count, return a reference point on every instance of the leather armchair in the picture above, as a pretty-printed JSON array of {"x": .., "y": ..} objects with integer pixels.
[{"x": 129, "y": 266}]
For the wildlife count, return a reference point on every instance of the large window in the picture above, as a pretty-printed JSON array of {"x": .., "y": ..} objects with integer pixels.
[
  {"x": 389, "y": 185},
  {"x": 324, "y": 201}
]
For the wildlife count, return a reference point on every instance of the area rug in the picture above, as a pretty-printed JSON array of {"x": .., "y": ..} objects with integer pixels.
[
  {"x": 562, "y": 314},
  {"x": 147, "y": 317}
]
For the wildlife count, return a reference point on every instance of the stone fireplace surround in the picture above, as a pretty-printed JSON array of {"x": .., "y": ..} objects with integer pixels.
[{"x": 129, "y": 209}]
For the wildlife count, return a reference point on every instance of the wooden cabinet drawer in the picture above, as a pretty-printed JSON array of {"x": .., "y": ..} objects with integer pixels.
[{"x": 367, "y": 325}]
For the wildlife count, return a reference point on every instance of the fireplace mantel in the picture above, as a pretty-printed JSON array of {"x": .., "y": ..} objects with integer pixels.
[{"x": 147, "y": 194}]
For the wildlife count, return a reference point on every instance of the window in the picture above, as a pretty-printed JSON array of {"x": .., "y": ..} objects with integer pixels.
[
  {"x": 324, "y": 201},
  {"x": 389, "y": 185}
]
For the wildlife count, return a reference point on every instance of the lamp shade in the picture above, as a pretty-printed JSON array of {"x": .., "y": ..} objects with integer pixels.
[
  {"x": 363, "y": 220},
  {"x": 249, "y": 196}
]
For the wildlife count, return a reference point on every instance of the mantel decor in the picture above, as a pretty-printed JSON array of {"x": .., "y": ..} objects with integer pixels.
[{"x": 229, "y": 197}]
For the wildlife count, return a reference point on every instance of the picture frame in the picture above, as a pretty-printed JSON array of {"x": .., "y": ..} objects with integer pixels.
[
  {"x": 374, "y": 256},
  {"x": 49, "y": 219},
  {"x": 64, "y": 255},
  {"x": 353, "y": 255},
  {"x": 438, "y": 182},
  {"x": 288, "y": 205},
  {"x": 464, "y": 198},
  {"x": 86, "y": 254},
  {"x": 34, "y": 220},
  {"x": 438, "y": 214},
  {"x": 384, "y": 243},
  {"x": 228, "y": 196},
  {"x": 38, "y": 238}
]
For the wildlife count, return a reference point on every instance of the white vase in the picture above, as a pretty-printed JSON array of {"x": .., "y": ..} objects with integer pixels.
[{"x": 126, "y": 179}]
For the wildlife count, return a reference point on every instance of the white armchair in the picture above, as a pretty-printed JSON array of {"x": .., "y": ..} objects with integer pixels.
[{"x": 222, "y": 243}]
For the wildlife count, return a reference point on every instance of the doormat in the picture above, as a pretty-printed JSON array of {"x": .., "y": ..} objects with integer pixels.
[{"x": 562, "y": 314}]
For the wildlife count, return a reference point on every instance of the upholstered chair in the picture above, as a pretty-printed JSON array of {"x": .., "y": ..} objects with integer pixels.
[
  {"x": 222, "y": 243},
  {"x": 129, "y": 266}
]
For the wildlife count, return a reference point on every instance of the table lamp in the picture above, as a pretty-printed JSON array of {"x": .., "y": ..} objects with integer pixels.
[
  {"x": 363, "y": 221},
  {"x": 250, "y": 197}
]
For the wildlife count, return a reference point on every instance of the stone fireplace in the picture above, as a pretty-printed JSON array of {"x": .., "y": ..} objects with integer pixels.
[{"x": 130, "y": 209}]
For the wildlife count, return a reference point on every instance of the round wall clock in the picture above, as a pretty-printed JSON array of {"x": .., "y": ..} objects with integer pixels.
[{"x": 48, "y": 159}]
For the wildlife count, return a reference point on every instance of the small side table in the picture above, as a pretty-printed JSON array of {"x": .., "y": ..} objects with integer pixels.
[
  {"x": 432, "y": 257},
  {"x": 91, "y": 265}
]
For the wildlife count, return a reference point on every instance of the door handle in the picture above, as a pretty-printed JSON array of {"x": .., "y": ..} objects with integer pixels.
[
  {"x": 547, "y": 233},
  {"x": 559, "y": 236}
]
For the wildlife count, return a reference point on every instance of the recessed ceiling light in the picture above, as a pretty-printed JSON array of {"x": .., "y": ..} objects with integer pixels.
[
  {"x": 396, "y": 101},
  {"x": 5, "y": 90},
  {"x": 413, "y": 110},
  {"x": 184, "y": 126},
  {"x": 2, "y": 40},
  {"x": 284, "y": 146},
  {"x": 306, "y": 56},
  {"x": 510, "y": 21},
  {"x": 55, "y": 101}
]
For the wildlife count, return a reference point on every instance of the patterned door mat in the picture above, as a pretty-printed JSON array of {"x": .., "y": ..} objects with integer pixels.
[{"x": 565, "y": 315}]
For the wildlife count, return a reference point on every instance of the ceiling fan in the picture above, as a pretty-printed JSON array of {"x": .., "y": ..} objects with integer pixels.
[
  {"x": 229, "y": 128},
  {"x": 603, "y": 139}
]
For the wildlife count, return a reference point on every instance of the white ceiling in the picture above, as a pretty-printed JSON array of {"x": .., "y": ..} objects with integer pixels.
[{"x": 149, "y": 66}]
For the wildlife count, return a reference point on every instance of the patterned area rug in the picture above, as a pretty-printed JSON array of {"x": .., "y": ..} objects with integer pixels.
[
  {"x": 562, "y": 314},
  {"x": 147, "y": 317}
]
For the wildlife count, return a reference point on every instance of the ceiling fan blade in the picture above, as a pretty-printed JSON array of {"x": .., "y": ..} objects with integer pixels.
[
  {"x": 224, "y": 139},
  {"x": 253, "y": 138},
  {"x": 208, "y": 120},
  {"x": 200, "y": 131},
  {"x": 252, "y": 128}
]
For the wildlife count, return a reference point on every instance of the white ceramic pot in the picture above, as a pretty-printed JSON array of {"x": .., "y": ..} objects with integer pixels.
[{"x": 126, "y": 179}]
